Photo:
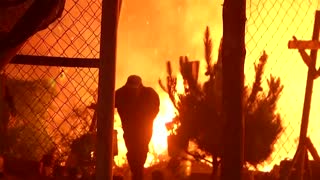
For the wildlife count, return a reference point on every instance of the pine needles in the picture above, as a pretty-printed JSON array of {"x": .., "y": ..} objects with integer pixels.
[{"x": 200, "y": 113}]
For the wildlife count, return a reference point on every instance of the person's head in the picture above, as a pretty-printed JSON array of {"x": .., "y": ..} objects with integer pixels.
[{"x": 134, "y": 82}]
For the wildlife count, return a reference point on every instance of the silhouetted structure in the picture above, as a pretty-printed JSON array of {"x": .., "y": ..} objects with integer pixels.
[
  {"x": 107, "y": 76},
  {"x": 300, "y": 164},
  {"x": 233, "y": 57},
  {"x": 137, "y": 106}
]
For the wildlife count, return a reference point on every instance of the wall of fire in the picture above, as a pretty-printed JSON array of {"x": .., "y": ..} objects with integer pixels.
[{"x": 55, "y": 99}]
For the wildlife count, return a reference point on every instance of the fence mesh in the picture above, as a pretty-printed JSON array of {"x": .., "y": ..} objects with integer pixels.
[
  {"x": 270, "y": 26},
  {"x": 53, "y": 101}
]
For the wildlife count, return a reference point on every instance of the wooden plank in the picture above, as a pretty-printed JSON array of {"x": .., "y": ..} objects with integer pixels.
[
  {"x": 312, "y": 150},
  {"x": 307, "y": 98},
  {"x": 309, "y": 85},
  {"x": 55, "y": 61},
  {"x": 301, "y": 44}
]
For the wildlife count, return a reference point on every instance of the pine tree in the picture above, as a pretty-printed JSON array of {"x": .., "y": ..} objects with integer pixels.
[{"x": 200, "y": 116}]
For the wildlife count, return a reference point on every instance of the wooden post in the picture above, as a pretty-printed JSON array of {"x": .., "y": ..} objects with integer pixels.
[
  {"x": 106, "y": 88},
  {"x": 299, "y": 159},
  {"x": 233, "y": 56},
  {"x": 312, "y": 150},
  {"x": 307, "y": 98},
  {"x": 309, "y": 85}
]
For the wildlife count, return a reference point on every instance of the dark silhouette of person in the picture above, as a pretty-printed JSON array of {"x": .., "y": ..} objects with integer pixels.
[{"x": 137, "y": 106}]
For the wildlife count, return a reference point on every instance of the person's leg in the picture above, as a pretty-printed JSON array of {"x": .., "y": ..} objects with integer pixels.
[
  {"x": 136, "y": 156},
  {"x": 136, "y": 159}
]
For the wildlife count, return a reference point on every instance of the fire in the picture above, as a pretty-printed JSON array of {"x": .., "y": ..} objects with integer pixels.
[
  {"x": 147, "y": 40},
  {"x": 158, "y": 145},
  {"x": 162, "y": 30},
  {"x": 270, "y": 25}
]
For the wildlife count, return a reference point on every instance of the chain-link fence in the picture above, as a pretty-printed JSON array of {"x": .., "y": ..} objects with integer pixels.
[
  {"x": 53, "y": 97},
  {"x": 52, "y": 101},
  {"x": 270, "y": 26}
]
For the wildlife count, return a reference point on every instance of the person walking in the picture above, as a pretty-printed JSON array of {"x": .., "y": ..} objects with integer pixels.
[{"x": 137, "y": 106}]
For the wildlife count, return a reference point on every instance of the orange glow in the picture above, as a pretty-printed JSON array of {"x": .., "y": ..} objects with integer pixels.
[
  {"x": 158, "y": 144},
  {"x": 151, "y": 33},
  {"x": 147, "y": 38},
  {"x": 276, "y": 26}
]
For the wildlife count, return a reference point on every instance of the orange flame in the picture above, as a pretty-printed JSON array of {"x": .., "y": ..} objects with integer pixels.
[
  {"x": 158, "y": 30},
  {"x": 158, "y": 145}
]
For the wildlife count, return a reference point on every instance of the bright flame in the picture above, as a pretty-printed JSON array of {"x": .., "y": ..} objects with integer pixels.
[
  {"x": 270, "y": 25},
  {"x": 158, "y": 145},
  {"x": 166, "y": 29}
]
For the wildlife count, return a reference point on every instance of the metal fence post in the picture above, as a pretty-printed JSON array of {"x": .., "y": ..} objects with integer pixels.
[
  {"x": 233, "y": 55},
  {"x": 106, "y": 87}
]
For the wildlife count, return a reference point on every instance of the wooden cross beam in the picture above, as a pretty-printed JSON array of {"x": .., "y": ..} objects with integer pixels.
[
  {"x": 301, "y": 158},
  {"x": 295, "y": 44},
  {"x": 302, "y": 46},
  {"x": 313, "y": 44}
]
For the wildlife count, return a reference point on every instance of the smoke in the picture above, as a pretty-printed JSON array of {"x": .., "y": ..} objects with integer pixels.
[{"x": 152, "y": 32}]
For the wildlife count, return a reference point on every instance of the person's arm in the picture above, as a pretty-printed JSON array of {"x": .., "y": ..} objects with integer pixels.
[{"x": 154, "y": 103}]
